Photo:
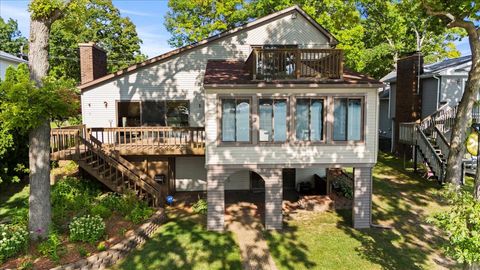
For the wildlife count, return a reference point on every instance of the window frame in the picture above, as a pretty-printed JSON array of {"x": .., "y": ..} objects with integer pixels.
[
  {"x": 362, "y": 119},
  {"x": 141, "y": 102},
  {"x": 220, "y": 141},
  {"x": 288, "y": 118},
  {"x": 325, "y": 111}
]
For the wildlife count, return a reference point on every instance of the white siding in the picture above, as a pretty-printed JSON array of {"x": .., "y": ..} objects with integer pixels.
[
  {"x": 190, "y": 174},
  {"x": 291, "y": 154},
  {"x": 451, "y": 90},
  {"x": 239, "y": 180},
  {"x": 4, "y": 64},
  {"x": 181, "y": 77},
  {"x": 306, "y": 175}
]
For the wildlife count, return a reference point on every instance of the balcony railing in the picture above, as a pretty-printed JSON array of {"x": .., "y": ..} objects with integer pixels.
[
  {"x": 65, "y": 143},
  {"x": 284, "y": 64}
]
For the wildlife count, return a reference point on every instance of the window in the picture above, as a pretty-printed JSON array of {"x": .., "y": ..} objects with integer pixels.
[
  {"x": 273, "y": 120},
  {"x": 236, "y": 120},
  {"x": 128, "y": 114},
  {"x": 309, "y": 119},
  {"x": 153, "y": 113},
  {"x": 347, "y": 119}
]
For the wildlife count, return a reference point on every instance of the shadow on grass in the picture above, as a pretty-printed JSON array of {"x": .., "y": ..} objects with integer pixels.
[
  {"x": 13, "y": 198},
  {"x": 403, "y": 200},
  {"x": 184, "y": 243},
  {"x": 287, "y": 251}
]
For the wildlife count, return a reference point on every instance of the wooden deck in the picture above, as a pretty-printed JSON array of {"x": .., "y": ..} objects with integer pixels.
[{"x": 168, "y": 141}]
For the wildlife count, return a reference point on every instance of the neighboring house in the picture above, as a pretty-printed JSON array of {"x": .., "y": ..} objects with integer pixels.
[
  {"x": 7, "y": 60},
  {"x": 259, "y": 108},
  {"x": 439, "y": 84}
]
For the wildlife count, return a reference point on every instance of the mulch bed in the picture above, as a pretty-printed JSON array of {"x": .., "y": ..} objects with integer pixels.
[{"x": 117, "y": 229}]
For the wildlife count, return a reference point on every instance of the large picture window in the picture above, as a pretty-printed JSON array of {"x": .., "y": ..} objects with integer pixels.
[
  {"x": 273, "y": 120},
  {"x": 153, "y": 113},
  {"x": 309, "y": 119},
  {"x": 347, "y": 119},
  {"x": 236, "y": 120}
]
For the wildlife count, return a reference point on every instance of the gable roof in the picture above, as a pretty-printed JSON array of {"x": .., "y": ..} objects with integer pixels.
[
  {"x": 11, "y": 57},
  {"x": 333, "y": 41},
  {"x": 434, "y": 68}
]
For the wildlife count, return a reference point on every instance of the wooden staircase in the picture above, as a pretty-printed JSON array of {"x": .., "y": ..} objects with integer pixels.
[
  {"x": 105, "y": 165},
  {"x": 431, "y": 146}
]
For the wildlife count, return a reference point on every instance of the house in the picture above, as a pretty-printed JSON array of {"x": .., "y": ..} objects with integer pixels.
[
  {"x": 429, "y": 87},
  {"x": 259, "y": 108},
  {"x": 7, "y": 60}
]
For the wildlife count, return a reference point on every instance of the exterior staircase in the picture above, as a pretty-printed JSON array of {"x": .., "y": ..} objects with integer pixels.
[
  {"x": 428, "y": 137},
  {"x": 107, "y": 166}
]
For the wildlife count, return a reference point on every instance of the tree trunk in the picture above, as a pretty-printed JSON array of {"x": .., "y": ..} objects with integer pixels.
[
  {"x": 39, "y": 138},
  {"x": 473, "y": 266},
  {"x": 463, "y": 118}
]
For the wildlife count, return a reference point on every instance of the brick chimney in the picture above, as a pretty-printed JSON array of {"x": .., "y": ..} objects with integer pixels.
[
  {"x": 408, "y": 93},
  {"x": 93, "y": 62}
]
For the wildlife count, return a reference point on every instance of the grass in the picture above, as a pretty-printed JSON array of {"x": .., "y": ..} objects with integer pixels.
[
  {"x": 402, "y": 200},
  {"x": 13, "y": 198},
  {"x": 184, "y": 243}
]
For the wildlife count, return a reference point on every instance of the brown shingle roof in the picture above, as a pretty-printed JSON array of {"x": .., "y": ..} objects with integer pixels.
[{"x": 230, "y": 73}]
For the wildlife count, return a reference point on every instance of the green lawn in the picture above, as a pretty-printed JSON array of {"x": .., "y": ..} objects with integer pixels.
[
  {"x": 401, "y": 200},
  {"x": 13, "y": 198},
  {"x": 184, "y": 243}
]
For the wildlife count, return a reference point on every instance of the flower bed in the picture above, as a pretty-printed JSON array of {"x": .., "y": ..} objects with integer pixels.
[{"x": 85, "y": 221}]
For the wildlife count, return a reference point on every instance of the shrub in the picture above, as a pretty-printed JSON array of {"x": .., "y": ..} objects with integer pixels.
[
  {"x": 200, "y": 207},
  {"x": 82, "y": 251},
  {"x": 140, "y": 213},
  {"x": 87, "y": 228},
  {"x": 117, "y": 203},
  {"x": 13, "y": 239},
  {"x": 71, "y": 195},
  {"x": 461, "y": 223},
  {"x": 101, "y": 211},
  {"x": 102, "y": 246},
  {"x": 51, "y": 247},
  {"x": 20, "y": 217},
  {"x": 345, "y": 185}
]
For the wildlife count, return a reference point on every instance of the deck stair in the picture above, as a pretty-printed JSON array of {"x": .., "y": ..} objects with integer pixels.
[
  {"x": 108, "y": 167},
  {"x": 429, "y": 138}
]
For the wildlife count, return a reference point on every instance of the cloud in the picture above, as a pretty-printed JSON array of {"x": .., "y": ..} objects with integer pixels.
[{"x": 135, "y": 13}]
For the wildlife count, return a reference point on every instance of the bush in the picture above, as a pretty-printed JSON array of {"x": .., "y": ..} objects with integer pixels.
[
  {"x": 101, "y": 211},
  {"x": 20, "y": 217},
  {"x": 117, "y": 203},
  {"x": 69, "y": 196},
  {"x": 13, "y": 239},
  {"x": 87, "y": 229},
  {"x": 200, "y": 207},
  {"x": 345, "y": 185},
  {"x": 51, "y": 247},
  {"x": 140, "y": 213}
]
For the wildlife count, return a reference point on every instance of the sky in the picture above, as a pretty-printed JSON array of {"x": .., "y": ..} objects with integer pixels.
[{"x": 147, "y": 15}]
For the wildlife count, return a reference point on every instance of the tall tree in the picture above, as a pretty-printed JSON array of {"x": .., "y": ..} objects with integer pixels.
[
  {"x": 11, "y": 39},
  {"x": 42, "y": 14},
  {"x": 397, "y": 27},
  {"x": 464, "y": 14},
  {"x": 393, "y": 27},
  {"x": 98, "y": 21}
]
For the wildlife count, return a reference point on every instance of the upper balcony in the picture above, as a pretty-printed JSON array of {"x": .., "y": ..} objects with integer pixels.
[{"x": 295, "y": 64}]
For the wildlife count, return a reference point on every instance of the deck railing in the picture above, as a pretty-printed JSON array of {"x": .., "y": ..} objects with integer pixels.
[
  {"x": 64, "y": 141},
  {"x": 406, "y": 133},
  {"x": 433, "y": 159},
  {"x": 274, "y": 64},
  {"x": 150, "y": 137}
]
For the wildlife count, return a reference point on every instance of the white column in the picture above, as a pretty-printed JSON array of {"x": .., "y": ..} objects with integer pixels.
[
  {"x": 273, "y": 198},
  {"x": 216, "y": 198},
  {"x": 362, "y": 197}
]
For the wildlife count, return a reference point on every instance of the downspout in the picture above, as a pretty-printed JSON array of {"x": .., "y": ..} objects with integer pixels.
[{"x": 438, "y": 90}]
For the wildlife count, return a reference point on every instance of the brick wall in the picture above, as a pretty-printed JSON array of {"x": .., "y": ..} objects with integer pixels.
[
  {"x": 408, "y": 94},
  {"x": 93, "y": 62}
]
